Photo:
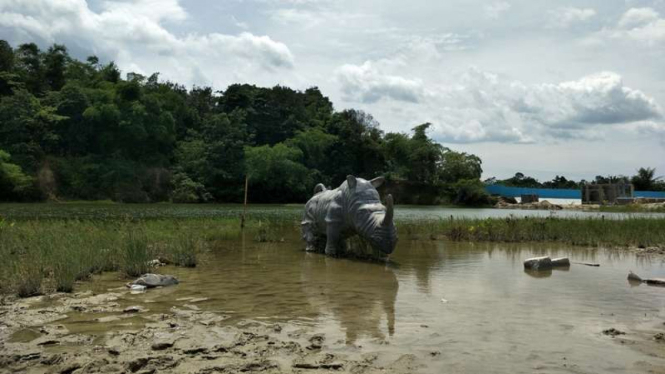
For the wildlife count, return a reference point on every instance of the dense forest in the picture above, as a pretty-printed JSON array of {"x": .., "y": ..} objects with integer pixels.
[{"x": 72, "y": 129}]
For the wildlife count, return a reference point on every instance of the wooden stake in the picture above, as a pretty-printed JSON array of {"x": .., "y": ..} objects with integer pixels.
[{"x": 244, "y": 213}]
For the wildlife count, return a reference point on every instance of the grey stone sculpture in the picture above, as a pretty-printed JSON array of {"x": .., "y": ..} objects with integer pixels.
[{"x": 352, "y": 208}]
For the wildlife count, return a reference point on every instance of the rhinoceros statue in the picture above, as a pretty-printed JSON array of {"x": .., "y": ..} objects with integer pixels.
[{"x": 352, "y": 208}]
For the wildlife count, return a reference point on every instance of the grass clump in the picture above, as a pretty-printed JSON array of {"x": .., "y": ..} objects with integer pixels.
[
  {"x": 136, "y": 253},
  {"x": 185, "y": 249}
]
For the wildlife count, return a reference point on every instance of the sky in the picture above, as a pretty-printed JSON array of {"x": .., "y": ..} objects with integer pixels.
[{"x": 542, "y": 87}]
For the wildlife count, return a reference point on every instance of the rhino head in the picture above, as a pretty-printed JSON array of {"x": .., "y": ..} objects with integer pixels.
[{"x": 372, "y": 220}]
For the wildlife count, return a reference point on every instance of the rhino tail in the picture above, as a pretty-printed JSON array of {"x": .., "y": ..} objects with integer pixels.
[{"x": 319, "y": 188}]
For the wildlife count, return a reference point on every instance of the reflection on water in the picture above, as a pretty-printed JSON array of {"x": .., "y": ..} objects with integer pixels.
[
  {"x": 497, "y": 317},
  {"x": 355, "y": 294}
]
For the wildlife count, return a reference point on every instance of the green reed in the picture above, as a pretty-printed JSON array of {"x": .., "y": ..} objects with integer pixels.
[
  {"x": 631, "y": 231},
  {"x": 47, "y": 255}
]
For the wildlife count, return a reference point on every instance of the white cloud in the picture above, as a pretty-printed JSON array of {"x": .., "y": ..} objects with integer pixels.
[
  {"x": 126, "y": 30},
  {"x": 637, "y": 17},
  {"x": 642, "y": 25},
  {"x": 300, "y": 17},
  {"x": 565, "y": 17},
  {"x": 481, "y": 106},
  {"x": 496, "y": 9},
  {"x": 365, "y": 83}
]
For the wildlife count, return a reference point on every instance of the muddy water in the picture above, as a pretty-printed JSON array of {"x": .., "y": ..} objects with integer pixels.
[{"x": 459, "y": 307}]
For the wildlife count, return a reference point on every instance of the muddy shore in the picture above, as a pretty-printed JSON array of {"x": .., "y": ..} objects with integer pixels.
[{"x": 36, "y": 336}]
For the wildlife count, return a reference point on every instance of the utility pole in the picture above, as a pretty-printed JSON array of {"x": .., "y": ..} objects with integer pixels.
[{"x": 244, "y": 213}]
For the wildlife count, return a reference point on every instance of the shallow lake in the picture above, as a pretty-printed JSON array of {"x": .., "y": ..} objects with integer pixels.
[
  {"x": 95, "y": 210},
  {"x": 461, "y": 307}
]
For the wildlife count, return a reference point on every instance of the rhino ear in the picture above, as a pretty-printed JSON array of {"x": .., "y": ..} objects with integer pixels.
[
  {"x": 351, "y": 181},
  {"x": 377, "y": 182},
  {"x": 319, "y": 188}
]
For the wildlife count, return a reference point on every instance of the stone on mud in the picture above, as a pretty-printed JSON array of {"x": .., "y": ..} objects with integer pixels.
[
  {"x": 632, "y": 277},
  {"x": 538, "y": 263},
  {"x": 133, "y": 309},
  {"x": 162, "y": 345},
  {"x": 613, "y": 332},
  {"x": 155, "y": 280}
]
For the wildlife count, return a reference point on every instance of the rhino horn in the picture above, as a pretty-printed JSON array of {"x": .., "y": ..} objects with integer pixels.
[{"x": 388, "y": 219}]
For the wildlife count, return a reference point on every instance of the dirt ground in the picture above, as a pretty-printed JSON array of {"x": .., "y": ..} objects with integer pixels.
[{"x": 35, "y": 338}]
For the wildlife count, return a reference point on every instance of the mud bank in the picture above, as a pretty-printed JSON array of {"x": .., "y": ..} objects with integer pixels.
[{"x": 39, "y": 335}]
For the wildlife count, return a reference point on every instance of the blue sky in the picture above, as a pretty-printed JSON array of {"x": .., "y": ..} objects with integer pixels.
[{"x": 541, "y": 87}]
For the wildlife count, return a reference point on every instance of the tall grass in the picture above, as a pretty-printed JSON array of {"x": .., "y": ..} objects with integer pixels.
[
  {"x": 136, "y": 253},
  {"x": 45, "y": 255},
  {"x": 638, "y": 232},
  {"x": 185, "y": 250}
]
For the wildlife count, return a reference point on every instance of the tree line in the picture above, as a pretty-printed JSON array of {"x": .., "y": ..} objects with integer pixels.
[
  {"x": 645, "y": 179},
  {"x": 72, "y": 130}
]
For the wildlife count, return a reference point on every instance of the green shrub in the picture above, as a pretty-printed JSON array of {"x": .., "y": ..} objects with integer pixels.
[{"x": 471, "y": 192}]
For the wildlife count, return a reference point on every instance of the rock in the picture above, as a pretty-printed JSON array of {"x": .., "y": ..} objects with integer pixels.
[
  {"x": 52, "y": 360},
  {"x": 137, "y": 364},
  {"x": 156, "y": 263},
  {"x": 49, "y": 342},
  {"x": 659, "y": 337},
  {"x": 316, "y": 342},
  {"x": 137, "y": 288},
  {"x": 132, "y": 309},
  {"x": 613, "y": 332},
  {"x": 560, "y": 262},
  {"x": 155, "y": 280},
  {"x": 113, "y": 351},
  {"x": 70, "y": 368},
  {"x": 538, "y": 263},
  {"x": 162, "y": 345},
  {"x": 634, "y": 277}
]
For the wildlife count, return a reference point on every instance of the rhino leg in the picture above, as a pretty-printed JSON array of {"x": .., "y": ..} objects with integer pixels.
[
  {"x": 308, "y": 235},
  {"x": 334, "y": 243}
]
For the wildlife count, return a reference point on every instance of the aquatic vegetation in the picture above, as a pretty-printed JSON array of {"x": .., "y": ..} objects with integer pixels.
[
  {"x": 632, "y": 231},
  {"x": 185, "y": 249},
  {"x": 136, "y": 253},
  {"x": 42, "y": 255},
  {"x": 51, "y": 247}
]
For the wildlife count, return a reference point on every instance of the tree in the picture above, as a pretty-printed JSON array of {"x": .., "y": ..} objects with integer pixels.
[
  {"x": 645, "y": 179},
  {"x": 358, "y": 149},
  {"x": 55, "y": 64},
  {"x": 457, "y": 166},
  {"x": 14, "y": 184},
  {"x": 561, "y": 182},
  {"x": 6, "y": 56},
  {"x": 28, "y": 65},
  {"x": 94, "y": 135},
  {"x": 277, "y": 174},
  {"x": 521, "y": 180},
  {"x": 315, "y": 145},
  {"x": 424, "y": 156}
]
